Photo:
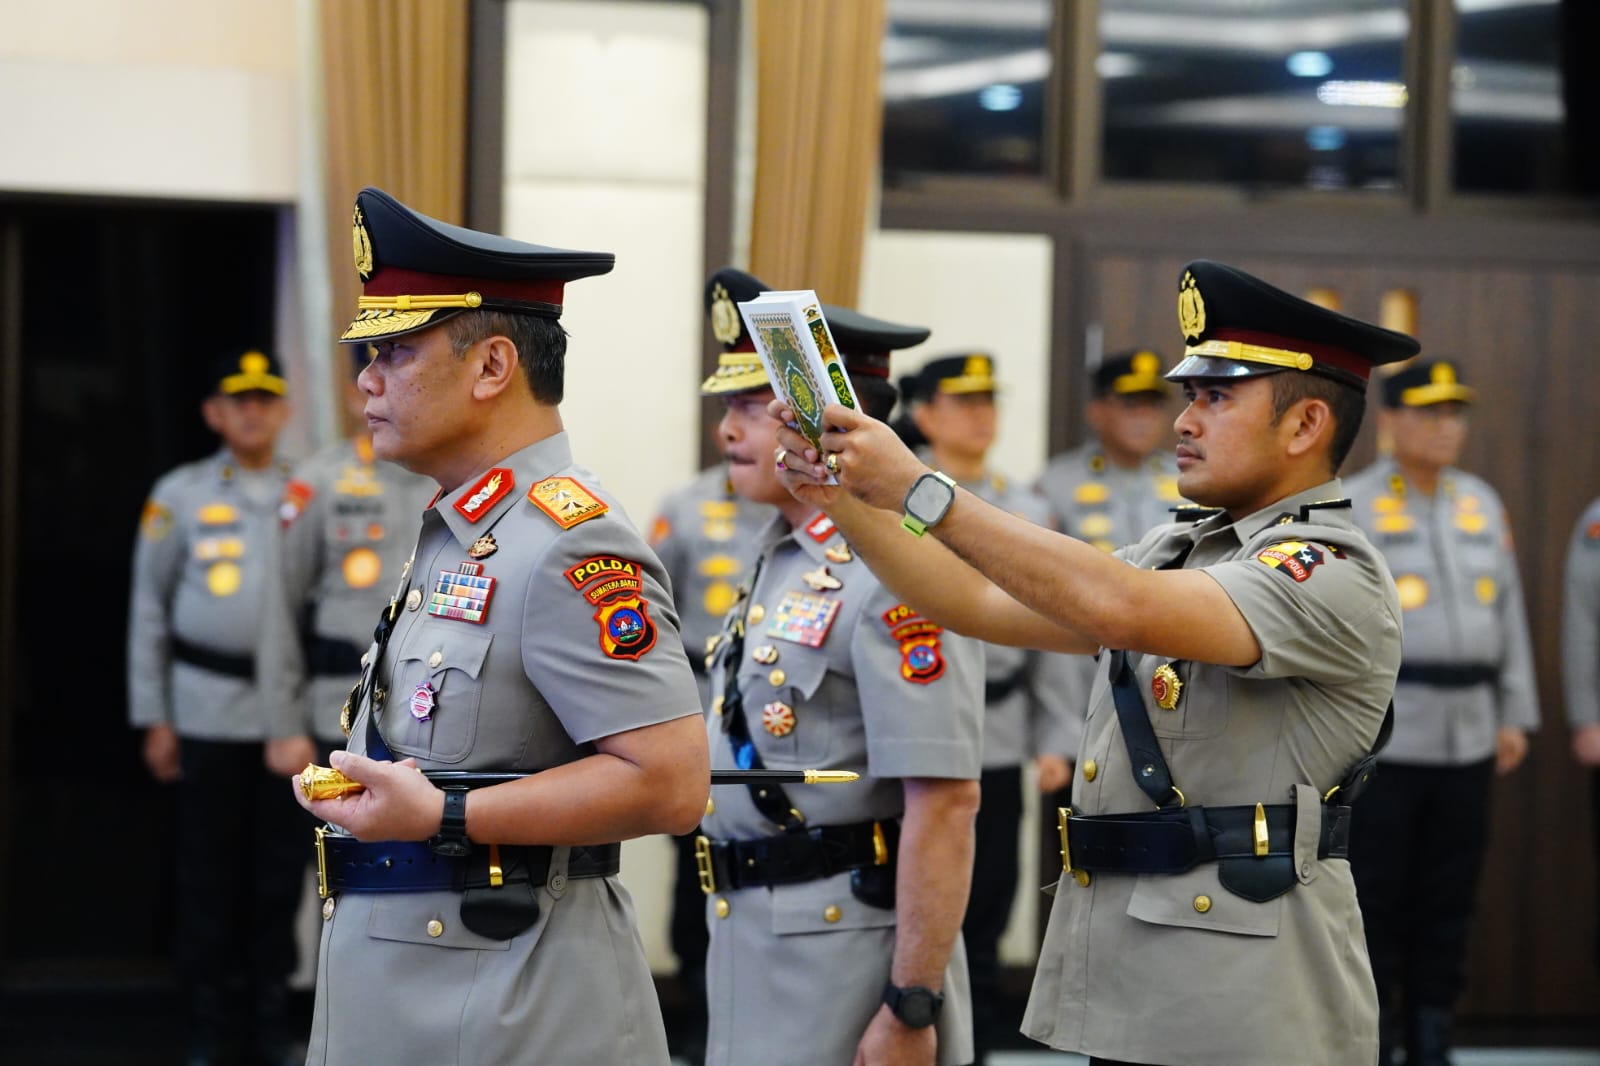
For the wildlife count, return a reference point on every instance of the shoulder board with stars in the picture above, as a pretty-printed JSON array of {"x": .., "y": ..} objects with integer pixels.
[{"x": 565, "y": 501}]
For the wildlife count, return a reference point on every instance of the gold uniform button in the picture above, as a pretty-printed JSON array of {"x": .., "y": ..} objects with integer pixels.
[
  {"x": 1082, "y": 877},
  {"x": 831, "y": 913},
  {"x": 711, "y": 806},
  {"x": 756, "y": 613},
  {"x": 1202, "y": 904},
  {"x": 327, "y": 909},
  {"x": 723, "y": 908},
  {"x": 435, "y": 927},
  {"x": 777, "y": 677},
  {"x": 435, "y": 659},
  {"x": 413, "y": 599},
  {"x": 1089, "y": 770}
]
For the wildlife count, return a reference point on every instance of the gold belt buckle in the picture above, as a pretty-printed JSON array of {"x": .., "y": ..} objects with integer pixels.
[
  {"x": 322, "y": 864},
  {"x": 1063, "y": 816},
  {"x": 702, "y": 862}
]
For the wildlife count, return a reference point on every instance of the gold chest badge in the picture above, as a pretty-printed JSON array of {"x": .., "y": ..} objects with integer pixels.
[{"x": 1165, "y": 687}]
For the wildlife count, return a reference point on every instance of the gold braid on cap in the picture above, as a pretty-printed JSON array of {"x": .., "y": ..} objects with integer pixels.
[{"x": 418, "y": 303}]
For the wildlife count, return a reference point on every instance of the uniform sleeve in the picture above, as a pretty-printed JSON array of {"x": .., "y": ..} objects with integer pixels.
[
  {"x": 294, "y": 559},
  {"x": 605, "y": 652},
  {"x": 158, "y": 558},
  {"x": 1580, "y": 622},
  {"x": 1058, "y": 691},
  {"x": 667, "y": 540},
  {"x": 1518, "y": 692},
  {"x": 1318, "y": 612},
  {"x": 921, "y": 692}
]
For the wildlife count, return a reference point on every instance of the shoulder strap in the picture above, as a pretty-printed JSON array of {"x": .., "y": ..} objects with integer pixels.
[{"x": 1145, "y": 761}]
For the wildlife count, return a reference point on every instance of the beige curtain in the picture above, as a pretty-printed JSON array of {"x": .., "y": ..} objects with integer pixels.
[
  {"x": 395, "y": 88},
  {"x": 818, "y": 121}
]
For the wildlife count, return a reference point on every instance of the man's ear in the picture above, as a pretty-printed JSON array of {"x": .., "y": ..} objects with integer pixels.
[
  {"x": 211, "y": 411},
  {"x": 498, "y": 366},
  {"x": 1311, "y": 421}
]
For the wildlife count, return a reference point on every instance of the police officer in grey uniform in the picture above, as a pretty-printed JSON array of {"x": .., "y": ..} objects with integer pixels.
[
  {"x": 1580, "y": 654},
  {"x": 1113, "y": 488},
  {"x": 532, "y": 631},
  {"x": 1031, "y": 699},
  {"x": 1464, "y": 703},
  {"x": 346, "y": 523},
  {"x": 1207, "y": 914},
  {"x": 835, "y": 912},
  {"x": 199, "y": 583}
]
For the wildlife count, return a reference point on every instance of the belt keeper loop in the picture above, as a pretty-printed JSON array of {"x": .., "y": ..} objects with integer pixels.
[
  {"x": 703, "y": 865},
  {"x": 322, "y": 864},
  {"x": 1261, "y": 841},
  {"x": 1063, "y": 816},
  {"x": 497, "y": 876},
  {"x": 880, "y": 846}
]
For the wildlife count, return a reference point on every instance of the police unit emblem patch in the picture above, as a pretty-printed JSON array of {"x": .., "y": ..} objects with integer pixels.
[
  {"x": 565, "y": 501},
  {"x": 422, "y": 702},
  {"x": 1292, "y": 557},
  {"x": 462, "y": 594},
  {"x": 155, "y": 522},
  {"x": 921, "y": 659},
  {"x": 613, "y": 585},
  {"x": 480, "y": 498}
]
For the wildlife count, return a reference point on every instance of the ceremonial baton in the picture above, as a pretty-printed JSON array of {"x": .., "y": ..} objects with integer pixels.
[{"x": 324, "y": 782}]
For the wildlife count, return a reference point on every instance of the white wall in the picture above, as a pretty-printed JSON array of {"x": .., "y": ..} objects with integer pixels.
[
  {"x": 605, "y": 150},
  {"x": 165, "y": 98},
  {"x": 989, "y": 291}
]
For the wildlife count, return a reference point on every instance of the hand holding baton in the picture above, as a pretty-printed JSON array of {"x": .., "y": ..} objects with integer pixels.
[{"x": 324, "y": 782}]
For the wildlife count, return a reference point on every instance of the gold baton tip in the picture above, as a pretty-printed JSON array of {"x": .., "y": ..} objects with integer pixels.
[
  {"x": 324, "y": 782},
  {"x": 830, "y": 777}
]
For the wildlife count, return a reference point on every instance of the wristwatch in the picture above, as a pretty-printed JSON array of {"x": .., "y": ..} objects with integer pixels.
[
  {"x": 928, "y": 501},
  {"x": 915, "y": 1006},
  {"x": 451, "y": 839}
]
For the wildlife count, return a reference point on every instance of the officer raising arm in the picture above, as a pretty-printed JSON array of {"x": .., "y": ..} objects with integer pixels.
[
  {"x": 1207, "y": 838},
  {"x": 532, "y": 630}
]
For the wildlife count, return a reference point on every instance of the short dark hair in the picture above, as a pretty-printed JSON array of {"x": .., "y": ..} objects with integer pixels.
[
  {"x": 1348, "y": 404},
  {"x": 541, "y": 346},
  {"x": 877, "y": 395}
]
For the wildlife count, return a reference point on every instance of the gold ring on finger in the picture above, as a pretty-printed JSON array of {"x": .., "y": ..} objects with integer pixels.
[{"x": 832, "y": 462}]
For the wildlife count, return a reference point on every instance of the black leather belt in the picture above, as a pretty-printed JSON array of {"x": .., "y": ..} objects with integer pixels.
[
  {"x": 794, "y": 857},
  {"x": 995, "y": 690},
  {"x": 216, "y": 662},
  {"x": 345, "y": 864},
  {"x": 1449, "y": 675},
  {"x": 331, "y": 657},
  {"x": 1176, "y": 839}
]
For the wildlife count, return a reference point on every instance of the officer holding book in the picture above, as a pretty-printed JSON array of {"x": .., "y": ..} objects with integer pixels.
[{"x": 835, "y": 913}]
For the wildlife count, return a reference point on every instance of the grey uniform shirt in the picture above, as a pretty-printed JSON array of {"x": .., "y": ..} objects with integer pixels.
[
  {"x": 846, "y": 678},
  {"x": 347, "y": 527},
  {"x": 1034, "y": 700},
  {"x": 1175, "y": 968},
  {"x": 706, "y": 538},
  {"x": 515, "y": 659},
  {"x": 199, "y": 576},
  {"x": 1580, "y": 621},
  {"x": 1456, "y": 572}
]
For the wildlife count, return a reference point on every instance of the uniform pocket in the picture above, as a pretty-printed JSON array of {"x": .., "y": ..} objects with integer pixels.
[
  {"x": 824, "y": 907},
  {"x": 1198, "y": 900},
  {"x": 431, "y": 918},
  {"x": 448, "y": 662},
  {"x": 789, "y": 709}
]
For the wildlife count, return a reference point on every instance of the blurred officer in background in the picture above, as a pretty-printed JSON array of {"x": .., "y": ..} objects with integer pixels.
[
  {"x": 1033, "y": 704},
  {"x": 1464, "y": 704},
  {"x": 835, "y": 910},
  {"x": 347, "y": 526},
  {"x": 1580, "y": 657},
  {"x": 199, "y": 589},
  {"x": 1123, "y": 481},
  {"x": 706, "y": 538},
  {"x": 533, "y": 631}
]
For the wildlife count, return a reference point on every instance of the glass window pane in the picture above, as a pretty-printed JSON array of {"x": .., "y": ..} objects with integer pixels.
[
  {"x": 1287, "y": 93},
  {"x": 1506, "y": 99},
  {"x": 964, "y": 86}
]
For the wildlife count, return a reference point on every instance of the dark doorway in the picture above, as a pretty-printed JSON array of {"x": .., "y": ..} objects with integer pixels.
[{"x": 112, "y": 313}]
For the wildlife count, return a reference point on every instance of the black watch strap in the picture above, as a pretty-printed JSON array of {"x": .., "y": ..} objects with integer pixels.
[
  {"x": 451, "y": 840},
  {"x": 915, "y": 1006}
]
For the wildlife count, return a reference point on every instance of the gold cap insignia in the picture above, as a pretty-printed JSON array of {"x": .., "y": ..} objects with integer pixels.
[
  {"x": 1148, "y": 362},
  {"x": 363, "y": 245},
  {"x": 1191, "y": 308},
  {"x": 976, "y": 366},
  {"x": 1442, "y": 374},
  {"x": 1166, "y": 687},
  {"x": 725, "y": 324}
]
